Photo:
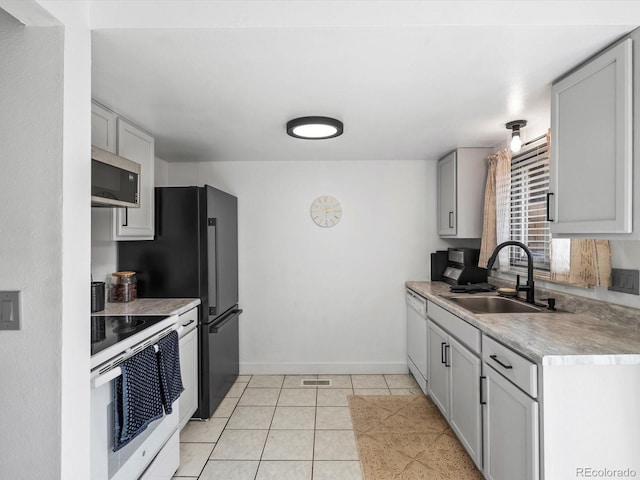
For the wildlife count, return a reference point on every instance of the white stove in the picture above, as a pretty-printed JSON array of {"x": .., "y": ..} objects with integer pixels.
[{"x": 155, "y": 453}]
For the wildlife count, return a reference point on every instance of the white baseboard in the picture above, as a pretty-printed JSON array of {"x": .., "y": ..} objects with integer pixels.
[{"x": 326, "y": 368}]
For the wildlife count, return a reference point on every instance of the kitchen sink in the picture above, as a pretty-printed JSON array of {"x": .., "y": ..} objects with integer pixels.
[{"x": 493, "y": 305}]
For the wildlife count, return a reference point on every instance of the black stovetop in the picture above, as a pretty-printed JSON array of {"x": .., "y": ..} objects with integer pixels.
[{"x": 106, "y": 331}]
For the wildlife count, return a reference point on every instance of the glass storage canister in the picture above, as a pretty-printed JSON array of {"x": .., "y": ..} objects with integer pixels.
[{"x": 123, "y": 287}]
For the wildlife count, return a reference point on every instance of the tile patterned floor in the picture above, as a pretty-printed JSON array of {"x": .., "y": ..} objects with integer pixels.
[{"x": 271, "y": 427}]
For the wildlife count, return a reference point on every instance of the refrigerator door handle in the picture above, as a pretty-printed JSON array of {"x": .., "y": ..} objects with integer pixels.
[
  {"x": 212, "y": 223},
  {"x": 215, "y": 327}
]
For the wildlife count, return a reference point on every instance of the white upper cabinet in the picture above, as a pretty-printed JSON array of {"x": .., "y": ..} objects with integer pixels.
[
  {"x": 103, "y": 128},
  {"x": 118, "y": 136},
  {"x": 447, "y": 195},
  {"x": 461, "y": 181},
  {"x": 592, "y": 148},
  {"x": 138, "y": 146}
]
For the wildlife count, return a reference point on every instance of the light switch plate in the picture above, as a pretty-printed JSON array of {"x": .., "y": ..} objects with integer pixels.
[
  {"x": 625, "y": 281},
  {"x": 10, "y": 310}
]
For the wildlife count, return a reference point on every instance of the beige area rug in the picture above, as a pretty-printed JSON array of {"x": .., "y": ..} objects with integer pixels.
[{"x": 406, "y": 438}]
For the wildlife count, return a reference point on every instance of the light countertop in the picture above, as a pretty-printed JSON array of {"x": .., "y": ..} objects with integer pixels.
[
  {"x": 150, "y": 306},
  {"x": 549, "y": 338}
]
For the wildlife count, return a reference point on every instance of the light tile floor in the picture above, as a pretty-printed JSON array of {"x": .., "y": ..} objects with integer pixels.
[{"x": 271, "y": 427}]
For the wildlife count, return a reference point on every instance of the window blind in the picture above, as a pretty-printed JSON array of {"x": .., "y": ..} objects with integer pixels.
[{"x": 530, "y": 172}]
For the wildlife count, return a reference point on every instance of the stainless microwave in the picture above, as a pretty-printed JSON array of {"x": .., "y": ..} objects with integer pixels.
[{"x": 115, "y": 181}]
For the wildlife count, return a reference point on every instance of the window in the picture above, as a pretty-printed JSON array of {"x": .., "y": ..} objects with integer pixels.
[{"x": 529, "y": 187}]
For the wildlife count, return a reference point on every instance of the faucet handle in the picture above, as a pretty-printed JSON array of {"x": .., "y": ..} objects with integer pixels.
[{"x": 551, "y": 302}]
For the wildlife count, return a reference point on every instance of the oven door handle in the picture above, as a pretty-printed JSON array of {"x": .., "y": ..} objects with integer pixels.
[
  {"x": 117, "y": 371},
  {"x": 107, "y": 377}
]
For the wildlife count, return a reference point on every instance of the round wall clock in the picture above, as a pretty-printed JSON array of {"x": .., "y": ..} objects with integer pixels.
[{"x": 326, "y": 211}]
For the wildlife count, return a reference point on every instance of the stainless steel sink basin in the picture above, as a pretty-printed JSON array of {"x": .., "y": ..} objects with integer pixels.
[{"x": 494, "y": 305}]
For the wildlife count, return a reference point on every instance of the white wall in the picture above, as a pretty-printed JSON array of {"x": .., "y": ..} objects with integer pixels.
[
  {"x": 161, "y": 172},
  {"x": 325, "y": 300},
  {"x": 76, "y": 254},
  {"x": 31, "y": 242},
  {"x": 45, "y": 208}
]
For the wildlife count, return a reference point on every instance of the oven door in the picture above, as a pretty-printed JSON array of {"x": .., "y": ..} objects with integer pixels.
[{"x": 130, "y": 461}]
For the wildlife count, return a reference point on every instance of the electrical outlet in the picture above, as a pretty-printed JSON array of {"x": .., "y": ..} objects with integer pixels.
[{"x": 625, "y": 281}]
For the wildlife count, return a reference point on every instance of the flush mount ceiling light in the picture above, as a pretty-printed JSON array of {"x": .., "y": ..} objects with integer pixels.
[
  {"x": 516, "y": 141},
  {"x": 314, "y": 128}
]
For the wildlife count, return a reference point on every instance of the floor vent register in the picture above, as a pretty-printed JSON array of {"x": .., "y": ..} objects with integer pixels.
[{"x": 316, "y": 383}]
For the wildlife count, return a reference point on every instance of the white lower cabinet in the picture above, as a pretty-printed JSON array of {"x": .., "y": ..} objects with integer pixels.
[
  {"x": 438, "y": 378},
  {"x": 465, "y": 414},
  {"x": 511, "y": 438},
  {"x": 522, "y": 420},
  {"x": 453, "y": 381},
  {"x": 189, "y": 367}
]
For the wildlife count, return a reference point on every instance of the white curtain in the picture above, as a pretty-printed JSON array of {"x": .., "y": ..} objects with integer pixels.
[
  {"x": 584, "y": 263},
  {"x": 495, "y": 228}
]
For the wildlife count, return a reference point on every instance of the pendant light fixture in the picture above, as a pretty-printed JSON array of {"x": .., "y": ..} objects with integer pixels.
[
  {"x": 314, "y": 128},
  {"x": 516, "y": 141}
]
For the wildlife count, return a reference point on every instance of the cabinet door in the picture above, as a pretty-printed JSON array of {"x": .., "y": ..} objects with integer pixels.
[
  {"x": 591, "y": 146},
  {"x": 103, "y": 128},
  {"x": 447, "y": 195},
  {"x": 189, "y": 371},
  {"x": 137, "y": 146},
  {"x": 511, "y": 448},
  {"x": 438, "y": 367},
  {"x": 465, "y": 410}
]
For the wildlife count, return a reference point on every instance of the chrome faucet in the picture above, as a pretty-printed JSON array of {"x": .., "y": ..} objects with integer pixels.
[{"x": 529, "y": 287}]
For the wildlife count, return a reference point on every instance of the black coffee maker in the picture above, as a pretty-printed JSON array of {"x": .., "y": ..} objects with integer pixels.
[{"x": 462, "y": 267}]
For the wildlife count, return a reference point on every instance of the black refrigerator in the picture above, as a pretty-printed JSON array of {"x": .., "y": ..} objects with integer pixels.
[{"x": 195, "y": 254}]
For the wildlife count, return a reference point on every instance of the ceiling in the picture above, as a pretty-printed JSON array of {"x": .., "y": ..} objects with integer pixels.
[{"x": 410, "y": 80}]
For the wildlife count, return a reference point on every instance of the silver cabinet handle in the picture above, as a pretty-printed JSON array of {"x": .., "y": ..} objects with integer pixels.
[{"x": 450, "y": 219}]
